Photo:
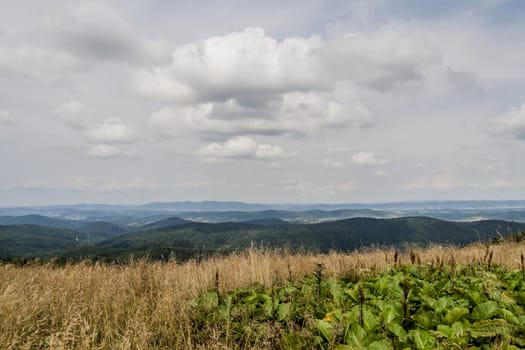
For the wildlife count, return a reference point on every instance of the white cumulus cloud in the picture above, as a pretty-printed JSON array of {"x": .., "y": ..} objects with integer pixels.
[
  {"x": 112, "y": 130},
  {"x": 234, "y": 65},
  {"x": 249, "y": 83},
  {"x": 243, "y": 147},
  {"x": 333, "y": 164},
  {"x": 105, "y": 151},
  {"x": 367, "y": 158},
  {"x": 241, "y": 64}
]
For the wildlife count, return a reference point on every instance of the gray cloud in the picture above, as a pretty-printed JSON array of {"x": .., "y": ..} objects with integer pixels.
[
  {"x": 250, "y": 83},
  {"x": 384, "y": 60},
  {"x": 96, "y": 30},
  {"x": 72, "y": 113},
  {"x": 293, "y": 114},
  {"x": 322, "y": 81},
  {"x": 510, "y": 124},
  {"x": 45, "y": 64},
  {"x": 466, "y": 82},
  {"x": 5, "y": 118}
]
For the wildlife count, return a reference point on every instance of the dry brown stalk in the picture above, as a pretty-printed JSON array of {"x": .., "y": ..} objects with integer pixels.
[{"x": 144, "y": 305}]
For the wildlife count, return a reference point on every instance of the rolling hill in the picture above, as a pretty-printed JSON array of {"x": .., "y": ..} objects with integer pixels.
[
  {"x": 192, "y": 239},
  {"x": 27, "y": 241},
  {"x": 173, "y": 221},
  {"x": 303, "y": 216},
  {"x": 99, "y": 227},
  {"x": 343, "y": 235}
]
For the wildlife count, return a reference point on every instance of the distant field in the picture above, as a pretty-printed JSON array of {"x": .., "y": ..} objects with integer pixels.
[{"x": 150, "y": 305}]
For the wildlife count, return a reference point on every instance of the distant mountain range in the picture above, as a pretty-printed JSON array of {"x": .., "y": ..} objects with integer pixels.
[
  {"x": 135, "y": 216},
  {"x": 190, "y": 229},
  {"x": 38, "y": 236},
  {"x": 81, "y": 226}
]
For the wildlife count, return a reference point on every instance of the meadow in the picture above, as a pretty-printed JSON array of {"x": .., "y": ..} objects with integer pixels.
[{"x": 206, "y": 304}]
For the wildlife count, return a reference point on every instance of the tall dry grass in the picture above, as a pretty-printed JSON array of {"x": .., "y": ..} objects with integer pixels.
[{"x": 143, "y": 305}]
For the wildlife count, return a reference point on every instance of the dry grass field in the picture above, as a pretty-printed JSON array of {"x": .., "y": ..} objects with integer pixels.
[{"x": 144, "y": 305}]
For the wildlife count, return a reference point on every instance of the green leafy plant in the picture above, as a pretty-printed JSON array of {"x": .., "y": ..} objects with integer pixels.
[{"x": 416, "y": 307}]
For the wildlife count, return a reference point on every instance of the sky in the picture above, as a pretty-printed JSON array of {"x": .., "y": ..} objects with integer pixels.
[{"x": 310, "y": 101}]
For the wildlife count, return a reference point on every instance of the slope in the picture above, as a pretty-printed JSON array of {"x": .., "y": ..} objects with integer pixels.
[
  {"x": 343, "y": 235},
  {"x": 34, "y": 240}
]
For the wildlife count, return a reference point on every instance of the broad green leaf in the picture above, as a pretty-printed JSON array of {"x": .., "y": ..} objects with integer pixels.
[
  {"x": 267, "y": 305},
  {"x": 383, "y": 344},
  {"x": 446, "y": 331},
  {"x": 495, "y": 295},
  {"x": 443, "y": 303},
  {"x": 510, "y": 317},
  {"x": 390, "y": 314},
  {"x": 455, "y": 314},
  {"x": 284, "y": 311},
  {"x": 289, "y": 289},
  {"x": 520, "y": 296},
  {"x": 355, "y": 335},
  {"x": 344, "y": 347},
  {"x": 459, "y": 329},
  {"x": 520, "y": 341},
  {"x": 423, "y": 340},
  {"x": 353, "y": 293},
  {"x": 326, "y": 329},
  {"x": 431, "y": 302},
  {"x": 475, "y": 297},
  {"x": 489, "y": 328},
  {"x": 486, "y": 310},
  {"x": 294, "y": 341},
  {"x": 371, "y": 321},
  {"x": 335, "y": 290},
  {"x": 454, "y": 333},
  {"x": 398, "y": 331},
  {"x": 425, "y": 320},
  {"x": 507, "y": 299},
  {"x": 225, "y": 309}
]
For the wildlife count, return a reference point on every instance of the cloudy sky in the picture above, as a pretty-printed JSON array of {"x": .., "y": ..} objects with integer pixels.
[{"x": 124, "y": 101}]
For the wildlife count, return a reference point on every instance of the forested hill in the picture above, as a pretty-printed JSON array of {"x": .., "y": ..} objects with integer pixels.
[
  {"x": 41, "y": 241},
  {"x": 188, "y": 237},
  {"x": 346, "y": 234},
  {"x": 98, "y": 227}
]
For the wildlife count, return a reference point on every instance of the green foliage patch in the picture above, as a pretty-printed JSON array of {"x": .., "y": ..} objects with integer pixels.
[{"x": 411, "y": 307}]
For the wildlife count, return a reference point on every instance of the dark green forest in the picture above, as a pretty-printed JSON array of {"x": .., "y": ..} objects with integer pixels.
[{"x": 182, "y": 239}]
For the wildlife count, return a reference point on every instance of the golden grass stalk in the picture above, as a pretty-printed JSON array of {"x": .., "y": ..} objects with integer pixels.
[{"x": 143, "y": 305}]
